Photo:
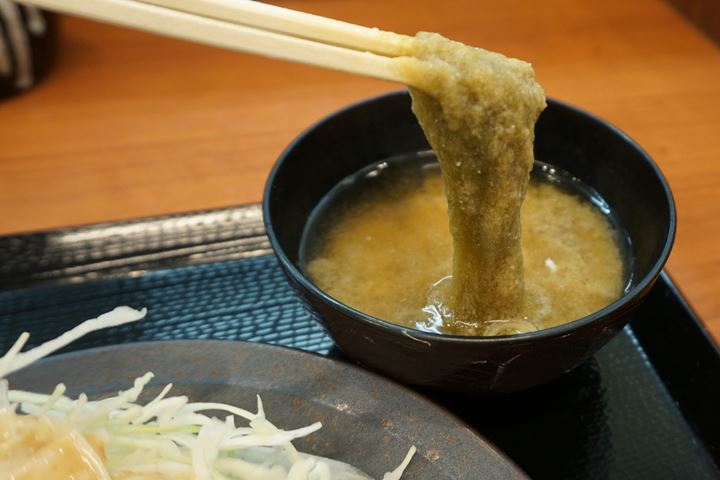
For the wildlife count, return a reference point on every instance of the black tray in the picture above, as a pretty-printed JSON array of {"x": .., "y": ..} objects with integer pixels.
[{"x": 646, "y": 406}]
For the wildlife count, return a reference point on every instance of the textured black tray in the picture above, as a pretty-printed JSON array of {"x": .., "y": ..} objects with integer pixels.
[{"x": 646, "y": 406}]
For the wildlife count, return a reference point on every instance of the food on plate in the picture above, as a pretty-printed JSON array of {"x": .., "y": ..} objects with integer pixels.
[{"x": 46, "y": 436}]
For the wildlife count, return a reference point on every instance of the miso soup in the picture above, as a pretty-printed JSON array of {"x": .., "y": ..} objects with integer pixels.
[{"x": 380, "y": 243}]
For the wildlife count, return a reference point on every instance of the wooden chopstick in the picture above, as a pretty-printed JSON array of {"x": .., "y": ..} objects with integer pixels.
[
  {"x": 292, "y": 22},
  {"x": 210, "y": 31}
]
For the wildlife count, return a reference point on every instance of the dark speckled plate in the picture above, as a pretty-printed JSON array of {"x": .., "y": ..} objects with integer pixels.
[{"x": 368, "y": 421}]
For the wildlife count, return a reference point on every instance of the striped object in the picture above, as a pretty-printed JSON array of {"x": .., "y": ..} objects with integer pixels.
[{"x": 24, "y": 32}]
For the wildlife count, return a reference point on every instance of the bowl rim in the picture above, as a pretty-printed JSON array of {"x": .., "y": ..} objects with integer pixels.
[{"x": 626, "y": 301}]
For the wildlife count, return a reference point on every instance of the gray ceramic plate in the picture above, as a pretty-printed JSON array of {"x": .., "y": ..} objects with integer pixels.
[{"x": 367, "y": 420}]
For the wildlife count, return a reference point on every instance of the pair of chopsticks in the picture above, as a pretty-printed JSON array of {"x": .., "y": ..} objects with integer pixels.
[{"x": 250, "y": 27}]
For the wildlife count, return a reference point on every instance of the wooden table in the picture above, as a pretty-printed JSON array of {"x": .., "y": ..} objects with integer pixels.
[{"x": 131, "y": 125}]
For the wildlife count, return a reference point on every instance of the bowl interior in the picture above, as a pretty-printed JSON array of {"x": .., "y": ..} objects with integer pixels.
[
  {"x": 619, "y": 170},
  {"x": 589, "y": 148},
  {"x": 329, "y": 151}
]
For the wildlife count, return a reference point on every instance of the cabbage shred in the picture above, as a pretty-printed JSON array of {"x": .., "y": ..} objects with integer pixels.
[{"x": 171, "y": 437}]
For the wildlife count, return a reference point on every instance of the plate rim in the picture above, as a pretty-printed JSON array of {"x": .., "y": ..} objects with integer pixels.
[{"x": 417, "y": 397}]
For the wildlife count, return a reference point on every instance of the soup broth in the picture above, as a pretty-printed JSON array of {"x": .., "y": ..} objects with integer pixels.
[{"x": 380, "y": 242}]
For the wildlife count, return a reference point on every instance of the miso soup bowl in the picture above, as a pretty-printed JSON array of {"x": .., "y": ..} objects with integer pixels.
[{"x": 591, "y": 149}]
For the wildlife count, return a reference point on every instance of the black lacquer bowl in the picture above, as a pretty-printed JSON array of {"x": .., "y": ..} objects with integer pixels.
[{"x": 584, "y": 145}]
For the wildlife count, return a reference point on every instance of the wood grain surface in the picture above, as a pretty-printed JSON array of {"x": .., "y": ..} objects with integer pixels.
[{"x": 129, "y": 124}]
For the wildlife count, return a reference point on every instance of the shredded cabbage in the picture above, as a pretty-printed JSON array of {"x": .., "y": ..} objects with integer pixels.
[{"x": 171, "y": 437}]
